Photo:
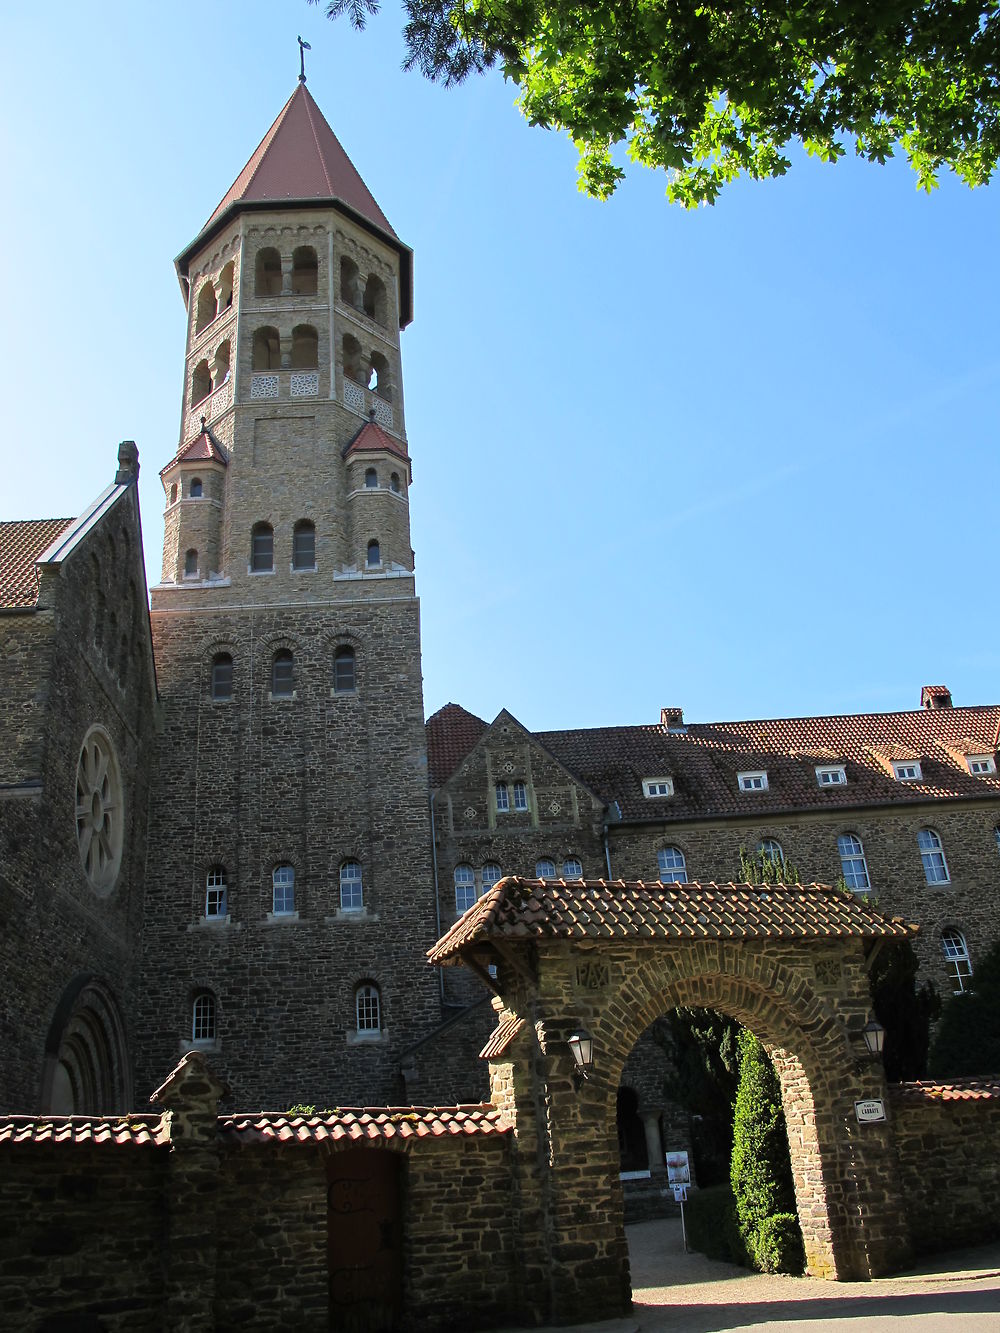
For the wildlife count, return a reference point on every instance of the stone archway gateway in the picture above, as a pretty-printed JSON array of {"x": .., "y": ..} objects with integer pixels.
[{"x": 788, "y": 961}]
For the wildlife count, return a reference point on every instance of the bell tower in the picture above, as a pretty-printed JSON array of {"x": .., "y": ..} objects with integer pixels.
[{"x": 289, "y": 880}]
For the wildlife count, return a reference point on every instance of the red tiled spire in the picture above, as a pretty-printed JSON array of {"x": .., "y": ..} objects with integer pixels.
[{"x": 300, "y": 157}]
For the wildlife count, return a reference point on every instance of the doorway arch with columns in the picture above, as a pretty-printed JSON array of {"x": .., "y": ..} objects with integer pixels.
[{"x": 788, "y": 961}]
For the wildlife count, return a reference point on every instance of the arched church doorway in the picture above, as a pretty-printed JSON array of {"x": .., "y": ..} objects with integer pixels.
[
  {"x": 789, "y": 962},
  {"x": 86, "y": 1069},
  {"x": 364, "y": 1240}
]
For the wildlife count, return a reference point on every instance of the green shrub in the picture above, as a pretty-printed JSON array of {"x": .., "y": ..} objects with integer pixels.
[
  {"x": 710, "y": 1220},
  {"x": 967, "y": 1041},
  {"x": 760, "y": 1171}
]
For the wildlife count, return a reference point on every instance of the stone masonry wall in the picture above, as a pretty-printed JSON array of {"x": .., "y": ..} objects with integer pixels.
[{"x": 949, "y": 1162}]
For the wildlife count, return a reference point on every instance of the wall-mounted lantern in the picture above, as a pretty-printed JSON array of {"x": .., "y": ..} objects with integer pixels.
[
  {"x": 874, "y": 1035},
  {"x": 582, "y": 1045}
]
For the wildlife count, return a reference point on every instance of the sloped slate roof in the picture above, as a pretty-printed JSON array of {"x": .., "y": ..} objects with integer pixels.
[
  {"x": 518, "y": 909},
  {"x": 137, "y": 1131},
  {"x": 364, "y": 1124},
  {"x": 452, "y": 732},
  {"x": 300, "y": 157},
  {"x": 21, "y": 544}
]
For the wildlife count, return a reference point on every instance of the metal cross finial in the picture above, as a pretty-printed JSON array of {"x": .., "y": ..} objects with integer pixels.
[{"x": 303, "y": 48}]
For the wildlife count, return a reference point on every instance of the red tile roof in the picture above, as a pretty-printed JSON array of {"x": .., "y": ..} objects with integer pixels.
[
  {"x": 525, "y": 909},
  {"x": 203, "y": 448},
  {"x": 138, "y": 1131},
  {"x": 502, "y": 1037},
  {"x": 451, "y": 733},
  {"x": 21, "y": 543},
  {"x": 364, "y": 1123},
  {"x": 300, "y": 157},
  {"x": 372, "y": 436},
  {"x": 968, "y": 1090}
]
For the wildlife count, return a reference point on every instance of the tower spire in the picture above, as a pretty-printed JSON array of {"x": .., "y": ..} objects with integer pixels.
[{"x": 303, "y": 48}]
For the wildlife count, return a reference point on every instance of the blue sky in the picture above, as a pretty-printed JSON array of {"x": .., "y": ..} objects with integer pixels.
[{"x": 741, "y": 460}]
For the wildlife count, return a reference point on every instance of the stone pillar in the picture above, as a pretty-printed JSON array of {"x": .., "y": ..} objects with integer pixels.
[
  {"x": 191, "y": 1097},
  {"x": 654, "y": 1144},
  {"x": 286, "y": 275}
]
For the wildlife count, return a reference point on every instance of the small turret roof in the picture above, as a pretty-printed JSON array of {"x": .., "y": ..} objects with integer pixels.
[
  {"x": 372, "y": 436},
  {"x": 203, "y": 448}
]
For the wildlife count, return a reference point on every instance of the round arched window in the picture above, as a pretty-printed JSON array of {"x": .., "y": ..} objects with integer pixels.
[{"x": 100, "y": 812}]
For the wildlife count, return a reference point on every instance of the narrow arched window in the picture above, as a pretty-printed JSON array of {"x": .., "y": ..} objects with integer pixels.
[
  {"x": 932, "y": 855},
  {"x": 769, "y": 849},
  {"x": 191, "y": 564},
  {"x": 368, "y": 1008},
  {"x": 216, "y": 898},
  {"x": 283, "y": 674},
  {"x": 195, "y": 488},
  {"x": 222, "y": 676},
  {"x": 304, "y": 545},
  {"x": 371, "y": 478},
  {"x": 352, "y": 897},
  {"x": 956, "y": 953},
  {"x": 492, "y": 874},
  {"x": 853, "y": 865},
  {"x": 283, "y": 890},
  {"x": 350, "y": 292},
  {"x": 173, "y": 493},
  {"x": 305, "y": 271},
  {"x": 305, "y": 347},
  {"x": 262, "y": 548},
  {"x": 374, "y": 302},
  {"x": 673, "y": 867},
  {"x": 354, "y": 367},
  {"x": 226, "y": 285},
  {"x": 520, "y": 796},
  {"x": 343, "y": 670},
  {"x": 572, "y": 868},
  {"x": 394, "y": 483},
  {"x": 374, "y": 554},
  {"x": 465, "y": 888},
  {"x": 201, "y": 383},
  {"x": 545, "y": 869},
  {"x": 502, "y": 798},
  {"x": 378, "y": 376},
  {"x": 267, "y": 268},
  {"x": 203, "y": 1017},
  {"x": 207, "y": 306},
  {"x": 266, "y": 349},
  {"x": 220, "y": 364}
]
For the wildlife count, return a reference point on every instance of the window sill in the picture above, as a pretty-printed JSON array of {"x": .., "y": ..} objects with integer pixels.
[
  {"x": 352, "y": 916},
  {"x": 213, "y": 923},
  {"x": 367, "y": 1038},
  {"x": 282, "y": 698},
  {"x": 213, "y": 1047},
  {"x": 281, "y": 918},
  {"x": 302, "y": 569},
  {"x": 259, "y": 573},
  {"x": 343, "y": 694}
]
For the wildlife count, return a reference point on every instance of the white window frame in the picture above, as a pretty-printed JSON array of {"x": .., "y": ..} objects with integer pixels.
[
  {"x": 981, "y": 765},
  {"x": 933, "y": 857},
  {"x": 352, "y": 892},
  {"x": 753, "y": 780},
  {"x": 653, "y": 787},
  {"x": 520, "y": 795},
  {"x": 285, "y": 884},
  {"x": 956, "y": 955},
  {"x": 216, "y": 894},
  {"x": 764, "y": 852},
  {"x": 489, "y": 868},
  {"x": 204, "y": 1019},
  {"x": 572, "y": 868},
  {"x": 853, "y": 857},
  {"x": 540, "y": 872},
  {"x": 907, "y": 770},
  {"x": 368, "y": 1010},
  {"x": 501, "y": 794},
  {"x": 672, "y": 858},
  {"x": 465, "y": 887},
  {"x": 831, "y": 775}
]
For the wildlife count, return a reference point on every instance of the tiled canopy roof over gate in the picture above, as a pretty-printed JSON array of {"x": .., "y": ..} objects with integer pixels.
[{"x": 517, "y": 910}]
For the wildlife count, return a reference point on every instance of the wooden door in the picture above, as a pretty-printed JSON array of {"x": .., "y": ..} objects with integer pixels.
[{"x": 364, "y": 1240}]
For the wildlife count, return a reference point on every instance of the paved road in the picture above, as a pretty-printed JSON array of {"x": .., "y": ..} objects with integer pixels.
[{"x": 673, "y": 1292}]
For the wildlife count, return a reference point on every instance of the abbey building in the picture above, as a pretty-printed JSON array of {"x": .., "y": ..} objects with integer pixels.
[{"x": 224, "y": 824}]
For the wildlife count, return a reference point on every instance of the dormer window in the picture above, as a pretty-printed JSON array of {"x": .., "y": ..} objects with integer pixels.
[
  {"x": 832, "y": 776},
  {"x": 755, "y": 781},
  {"x": 906, "y": 770},
  {"x": 657, "y": 787},
  {"x": 981, "y": 765}
]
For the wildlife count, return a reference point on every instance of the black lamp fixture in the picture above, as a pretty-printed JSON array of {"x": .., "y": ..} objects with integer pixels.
[
  {"x": 582, "y": 1045},
  {"x": 874, "y": 1035}
]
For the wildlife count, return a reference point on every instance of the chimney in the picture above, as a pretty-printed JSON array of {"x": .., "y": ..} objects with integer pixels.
[
  {"x": 672, "y": 719},
  {"x": 128, "y": 463},
  {"x": 933, "y": 697}
]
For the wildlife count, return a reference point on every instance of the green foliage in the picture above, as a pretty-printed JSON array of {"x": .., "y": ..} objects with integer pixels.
[
  {"x": 712, "y": 1230},
  {"x": 905, "y": 1012},
  {"x": 760, "y": 1172},
  {"x": 702, "y": 1048},
  {"x": 967, "y": 1041},
  {"x": 712, "y": 91},
  {"x": 756, "y": 868}
]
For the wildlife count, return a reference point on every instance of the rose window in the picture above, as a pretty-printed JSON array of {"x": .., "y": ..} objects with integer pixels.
[{"x": 99, "y": 811}]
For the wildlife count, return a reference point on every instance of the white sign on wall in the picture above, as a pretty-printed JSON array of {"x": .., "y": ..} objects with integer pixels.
[{"x": 870, "y": 1112}]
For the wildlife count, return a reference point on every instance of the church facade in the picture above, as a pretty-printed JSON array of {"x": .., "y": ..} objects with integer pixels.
[{"x": 224, "y": 824}]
